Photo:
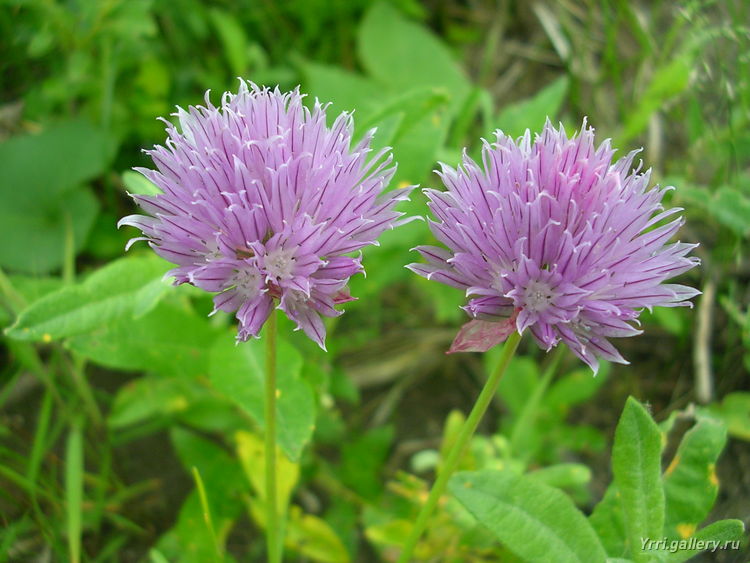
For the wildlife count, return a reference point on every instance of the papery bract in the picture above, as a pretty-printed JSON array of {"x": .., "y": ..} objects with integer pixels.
[
  {"x": 555, "y": 230},
  {"x": 262, "y": 203}
]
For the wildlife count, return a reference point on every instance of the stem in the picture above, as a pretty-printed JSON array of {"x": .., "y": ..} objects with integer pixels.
[
  {"x": 464, "y": 437},
  {"x": 272, "y": 539}
]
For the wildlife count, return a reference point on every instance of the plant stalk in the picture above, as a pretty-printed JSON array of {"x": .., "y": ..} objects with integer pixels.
[
  {"x": 463, "y": 439},
  {"x": 272, "y": 517}
]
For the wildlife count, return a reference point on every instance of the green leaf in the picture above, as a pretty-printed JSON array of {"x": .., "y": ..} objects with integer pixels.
[
  {"x": 347, "y": 91},
  {"x": 533, "y": 112},
  {"x": 718, "y": 534},
  {"x": 189, "y": 540},
  {"x": 23, "y": 290},
  {"x": 252, "y": 455},
  {"x": 314, "y": 538},
  {"x": 44, "y": 165},
  {"x": 732, "y": 209},
  {"x": 137, "y": 183},
  {"x": 40, "y": 191},
  {"x": 152, "y": 396},
  {"x": 402, "y": 55},
  {"x": 606, "y": 519},
  {"x": 120, "y": 290},
  {"x": 734, "y": 410},
  {"x": 32, "y": 239},
  {"x": 667, "y": 82},
  {"x": 562, "y": 475},
  {"x": 238, "y": 371},
  {"x": 519, "y": 381},
  {"x": 417, "y": 123},
  {"x": 574, "y": 388},
  {"x": 535, "y": 521},
  {"x": 690, "y": 482},
  {"x": 362, "y": 460},
  {"x": 636, "y": 465},
  {"x": 170, "y": 340},
  {"x": 389, "y": 533},
  {"x": 233, "y": 40}
]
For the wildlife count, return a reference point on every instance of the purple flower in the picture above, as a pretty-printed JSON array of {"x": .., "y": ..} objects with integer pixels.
[
  {"x": 555, "y": 237},
  {"x": 262, "y": 203}
]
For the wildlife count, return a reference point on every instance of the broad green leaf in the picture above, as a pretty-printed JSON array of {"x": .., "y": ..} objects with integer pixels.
[
  {"x": 532, "y": 113},
  {"x": 535, "y": 521},
  {"x": 42, "y": 166},
  {"x": 189, "y": 540},
  {"x": 734, "y": 410},
  {"x": 402, "y": 54},
  {"x": 23, "y": 290},
  {"x": 667, "y": 82},
  {"x": 151, "y": 396},
  {"x": 391, "y": 532},
  {"x": 562, "y": 475},
  {"x": 212, "y": 459},
  {"x": 122, "y": 289},
  {"x": 169, "y": 340},
  {"x": 32, "y": 239},
  {"x": 606, "y": 519},
  {"x": 732, "y": 209},
  {"x": 238, "y": 371},
  {"x": 636, "y": 465},
  {"x": 519, "y": 381},
  {"x": 314, "y": 538},
  {"x": 252, "y": 455},
  {"x": 417, "y": 123},
  {"x": 574, "y": 388},
  {"x": 40, "y": 190},
  {"x": 206, "y": 510},
  {"x": 690, "y": 482},
  {"x": 724, "y": 534},
  {"x": 347, "y": 91},
  {"x": 362, "y": 460},
  {"x": 35, "y": 287},
  {"x": 233, "y": 40},
  {"x": 413, "y": 105},
  {"x": 137, "y": 183},
  {"x": 306, "y": 534}
]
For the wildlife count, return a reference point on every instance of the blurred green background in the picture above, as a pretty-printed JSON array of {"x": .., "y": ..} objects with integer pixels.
[{"x": 114, "y": 385}]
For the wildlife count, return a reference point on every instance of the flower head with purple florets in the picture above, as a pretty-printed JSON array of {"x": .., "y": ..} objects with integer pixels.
[
  {"x": 262, "y": 203},
  {"x": 556, "y": 237}
]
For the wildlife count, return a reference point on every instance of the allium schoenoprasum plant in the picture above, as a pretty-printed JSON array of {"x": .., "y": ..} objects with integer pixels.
[
  {"x": 261, "y": 203},
  {"x": 555, "y": 234},
  {"x": 551, "y": 236},
  {"x": 116, "y": 388}
]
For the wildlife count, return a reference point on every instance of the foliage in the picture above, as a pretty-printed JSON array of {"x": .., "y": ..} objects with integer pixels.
[{"x": 131, "y": 424}]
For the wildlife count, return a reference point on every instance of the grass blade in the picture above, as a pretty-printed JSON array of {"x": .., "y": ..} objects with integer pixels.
[{"x": 74, "y": 490}]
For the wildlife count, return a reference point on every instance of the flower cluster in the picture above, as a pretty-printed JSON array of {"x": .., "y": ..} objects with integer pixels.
[
  {"x": 556, "y": 237},
  {"x": 262, "y": 203}
]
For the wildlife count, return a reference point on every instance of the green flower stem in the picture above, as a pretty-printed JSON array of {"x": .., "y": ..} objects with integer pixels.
[
  {"x": 272, "y": 517},
  {"x": 464, "y": 437}
]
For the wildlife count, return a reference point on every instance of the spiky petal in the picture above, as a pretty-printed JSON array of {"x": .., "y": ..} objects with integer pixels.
[
  {"x": 263, "y": 204},
  {"x": 559, "y": 234}
]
